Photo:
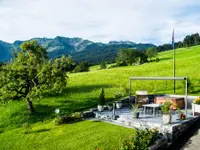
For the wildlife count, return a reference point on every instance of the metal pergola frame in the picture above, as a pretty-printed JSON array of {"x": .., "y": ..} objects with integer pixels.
[{"x": 161, "y": 78}]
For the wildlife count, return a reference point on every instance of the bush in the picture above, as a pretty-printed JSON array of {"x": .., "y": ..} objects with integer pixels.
[
  {"x": 112, "y": 66},
  {"x": 157, "y": 59},
  {"x": 102, "y": 98},
  {"x": 118, "y": 95},
  {"x": 74, "y": 117},
  {"x": 140, "y": 139},
  {"x": 27, "y": 127},
  {"x": 82, "y": 67},
  {"x": 121, "y": 63},
  {"x": 103, "y": 65}
]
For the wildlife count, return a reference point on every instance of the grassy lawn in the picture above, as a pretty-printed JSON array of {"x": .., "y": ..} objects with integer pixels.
[
  {"x": 86, "y": 135},
  {"x": 82, "y": 93}
]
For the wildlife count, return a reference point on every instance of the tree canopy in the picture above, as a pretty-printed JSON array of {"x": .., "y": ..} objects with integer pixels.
[
  {"x": 130, "y": 56},
  {"x": 151, "y": 52},
  {"x": 30, "y": 75}
]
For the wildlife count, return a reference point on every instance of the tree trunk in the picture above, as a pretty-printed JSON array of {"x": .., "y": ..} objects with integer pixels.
[{"x": 30, "y": 105}]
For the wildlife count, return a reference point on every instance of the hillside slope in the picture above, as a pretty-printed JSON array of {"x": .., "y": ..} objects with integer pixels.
[{"x": 82, "y": 93}]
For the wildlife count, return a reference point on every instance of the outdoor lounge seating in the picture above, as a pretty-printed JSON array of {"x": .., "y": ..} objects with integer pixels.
[
  {"x": 141, "y": 97},
  {"x": 179, "y": 101}
]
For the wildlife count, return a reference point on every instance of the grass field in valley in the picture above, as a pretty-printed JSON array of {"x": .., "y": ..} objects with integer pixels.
[{"x": 82, "y": 93}]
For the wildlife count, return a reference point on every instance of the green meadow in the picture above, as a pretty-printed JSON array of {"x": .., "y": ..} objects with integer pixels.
[{"x": 19, "y": 130}]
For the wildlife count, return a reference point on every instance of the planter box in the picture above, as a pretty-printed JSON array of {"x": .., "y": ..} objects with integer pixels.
[{"x": 195, "y": 109}]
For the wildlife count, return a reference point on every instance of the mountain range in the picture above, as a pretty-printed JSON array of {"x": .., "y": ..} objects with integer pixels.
[{"x": 79, "y": 49}]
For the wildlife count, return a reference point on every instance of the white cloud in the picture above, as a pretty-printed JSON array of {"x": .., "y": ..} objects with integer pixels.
[{"x": 99, "y": 20}]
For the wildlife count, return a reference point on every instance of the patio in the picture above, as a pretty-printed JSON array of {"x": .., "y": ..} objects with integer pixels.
[
  {"x": 172, "y": 130},
  {"x": 124, "y": 116}
]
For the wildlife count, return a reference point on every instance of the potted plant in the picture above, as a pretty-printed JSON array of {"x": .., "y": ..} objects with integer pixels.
[
  {"x": 135, "y": 110},
  {"x": 179, "y": 114},
  {"x": 101, "y": 101},
  {"x": 110, "y": 106},
  {"x": 196, "y": 106},
  {"x": 166, "y": 112}
]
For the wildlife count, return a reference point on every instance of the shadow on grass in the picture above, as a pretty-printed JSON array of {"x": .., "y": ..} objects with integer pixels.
[
  {"x": 41, "y": 130},
  {"x": 96, "y": 121},
  {"x": 37, "y": 131},
  {"x": 79, "y": 89},
  {"x": 166, "y": 58},
  {"x": 47, "y": 111}
]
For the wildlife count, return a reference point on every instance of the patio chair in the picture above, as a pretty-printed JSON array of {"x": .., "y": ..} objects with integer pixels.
[{"x": 141, "y": 97}]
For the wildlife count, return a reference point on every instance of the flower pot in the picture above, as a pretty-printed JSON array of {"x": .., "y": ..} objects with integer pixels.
[
  {"x": 166, "y": 119},
  {"x": 110, "y": 107},
  {"x": 136, "y": 114},
  {"x": 100, "y": 108},
  {"x": 195, "y": 108},
  {"x": 119, "y": 105}
]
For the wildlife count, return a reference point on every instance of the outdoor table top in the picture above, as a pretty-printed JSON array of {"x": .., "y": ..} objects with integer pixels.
[{"x": 152, "y": 105}]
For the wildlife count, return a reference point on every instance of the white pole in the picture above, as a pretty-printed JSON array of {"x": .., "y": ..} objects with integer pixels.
[{"x": 186, "y": 97}]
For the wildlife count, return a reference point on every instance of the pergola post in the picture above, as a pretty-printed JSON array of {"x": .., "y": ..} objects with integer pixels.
[
  {"x": 186, "y": 92},
  {"x": 130, "y": 94}
]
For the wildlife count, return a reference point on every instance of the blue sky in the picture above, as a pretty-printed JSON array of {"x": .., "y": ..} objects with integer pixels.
[{"x": 150, "y": 21}]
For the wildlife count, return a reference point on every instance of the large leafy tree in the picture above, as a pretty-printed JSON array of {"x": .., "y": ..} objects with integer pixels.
[
  {"x": 30, "y": 75},
  {"x": 151, "y": 52},
  {"x": 129, "y": 56}
]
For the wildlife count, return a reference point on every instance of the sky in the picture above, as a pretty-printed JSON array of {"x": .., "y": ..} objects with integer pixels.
[{"x": 140, "y": 21}]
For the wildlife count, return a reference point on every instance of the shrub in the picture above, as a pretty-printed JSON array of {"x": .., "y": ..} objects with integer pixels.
[
  {"x": 27, "y": 127},
  {"x": 102, "y": 98},
  {"x": 74, "y": 117},
  {"x": 121, "y": 63},
  {"x": 103, "y": 65},
  {"x": 140, "y": 139},
  {"x": 118, "y": 95},
  {"x": 157, "y": 59},
  {"x": 82, "y": 67},
  {"x": 112, "y": 66}
]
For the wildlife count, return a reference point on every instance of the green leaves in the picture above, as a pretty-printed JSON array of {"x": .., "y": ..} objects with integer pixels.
[
  {"x": 30, "y": 75},
  {"x": 151, "y": 52},
  {"x": 140, "y": 140}
]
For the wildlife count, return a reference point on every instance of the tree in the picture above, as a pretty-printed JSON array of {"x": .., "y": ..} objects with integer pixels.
[
  {"x": 151, "y": 52},
  {"x": 196, "y": 38},
  {"x": 188, "y": 41},
  {"x": 30, "y": 75},
  {"x": 102, "y": 98},
  {"x": 129, "y": 56},
  {"x": 67, "y": 64},
  {"x": 103, "y": 65},
  {"x": 82, "y": 67},
  {"x": 143, "y": 57}
]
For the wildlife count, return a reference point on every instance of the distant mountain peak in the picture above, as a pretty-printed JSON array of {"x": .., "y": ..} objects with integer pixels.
[
  {"x": 80, "y": 49},
  {"x": 121, "y": 42}
]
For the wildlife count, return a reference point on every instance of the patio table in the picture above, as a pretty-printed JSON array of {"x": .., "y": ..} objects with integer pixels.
[{"x": 153, "y": 106}]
